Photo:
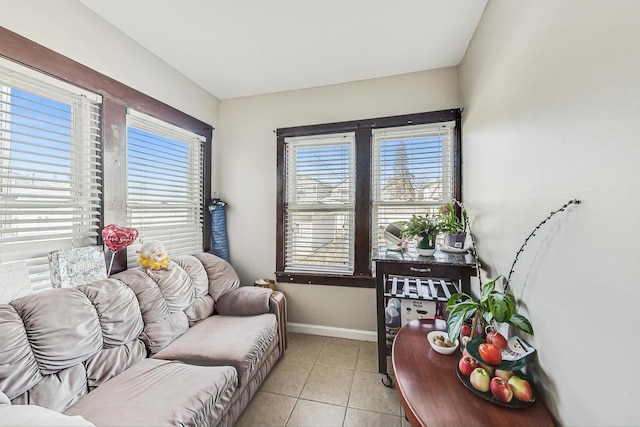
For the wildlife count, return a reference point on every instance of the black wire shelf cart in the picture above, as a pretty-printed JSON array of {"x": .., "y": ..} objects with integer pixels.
[{"x": 407, "y": 275}]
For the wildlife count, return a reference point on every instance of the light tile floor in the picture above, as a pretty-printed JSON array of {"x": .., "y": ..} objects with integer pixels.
[{"x": 323, "y": 381}]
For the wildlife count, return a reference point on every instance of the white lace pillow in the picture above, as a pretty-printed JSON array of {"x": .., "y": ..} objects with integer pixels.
[
  {"x": 32, "y": 415},
  {"x": 14, "y": 281}
]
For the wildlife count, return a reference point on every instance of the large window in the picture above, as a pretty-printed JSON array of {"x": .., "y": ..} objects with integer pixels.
[
  {"x": 411, "y": 172},
  {"x": 320, "y": 203},
  {"x": 64, "y": 157},
  {"x": 164, "y": 185},
  {"x": 50, "y": 168},
  {"x": 341, "y": 184}
]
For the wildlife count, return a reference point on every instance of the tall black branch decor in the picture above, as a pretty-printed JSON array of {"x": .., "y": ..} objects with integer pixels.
[
  {"x": 493, "y": 305},
  {"x": 533, "y": 233}
]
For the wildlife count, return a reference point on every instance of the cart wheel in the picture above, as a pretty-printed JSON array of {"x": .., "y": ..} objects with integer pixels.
[{"x": 387, "y": 381}]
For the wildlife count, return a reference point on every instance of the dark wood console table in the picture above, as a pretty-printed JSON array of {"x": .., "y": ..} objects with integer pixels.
[
  {"x": 431, "y": 392},
  {"x": 458, "y": 268}
]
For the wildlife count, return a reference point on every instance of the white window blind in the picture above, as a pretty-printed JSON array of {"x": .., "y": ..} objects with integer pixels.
[
  {"x": 320, "y": 204},
  {"x": 164, "y": 185},
  {"x": 50, "y": 168},
  {"x": 412, "y": 173}
]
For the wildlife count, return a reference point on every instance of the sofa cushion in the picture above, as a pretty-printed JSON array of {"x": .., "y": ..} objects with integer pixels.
[
  {"x": 161, "y": 324},
  {"x": 222, "y": 276},
  {"x": 121, "y": 324},
  {"x": 160, "y": 393},
  {"x": 244, "y": 301},
  {"x": 109, "y": 362},
  {"x": 57, "y": 345},
  {"x": 57, "y": 391},
  {"x": 62, "y": 326},
  {"x": 196, "y": 272},
  {"x": 241, "y": 342},
  {"x": 18, "y": 367},
  {"x": 170, "y": 299},
  {"x": 117, "y": 309}
]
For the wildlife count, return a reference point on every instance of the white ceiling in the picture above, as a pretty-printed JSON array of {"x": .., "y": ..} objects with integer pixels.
[{"x": 234, "y": 48}]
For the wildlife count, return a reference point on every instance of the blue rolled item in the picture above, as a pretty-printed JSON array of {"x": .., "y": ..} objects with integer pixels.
[{"x": 220, "y": 247}]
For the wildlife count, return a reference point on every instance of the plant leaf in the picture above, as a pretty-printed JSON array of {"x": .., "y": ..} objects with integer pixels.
[
  {"x": 464, "y": 306},
  {"x": 501, "y": 306},
  {"x": 453, "y": 300},
  {"x": 488, "y": 288},
  {"x": 521, "y": 322},
  {"x": 461, "y": 312},
  {"x": 487, "y": 316}
]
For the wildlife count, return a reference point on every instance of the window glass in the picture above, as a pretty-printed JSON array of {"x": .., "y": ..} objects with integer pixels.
[
  {"x": 164, "y": 185},
  {"x": 320, "y": 203},
  {"x": 50, "y": 169},
  {"x": 412, "y": 173}
]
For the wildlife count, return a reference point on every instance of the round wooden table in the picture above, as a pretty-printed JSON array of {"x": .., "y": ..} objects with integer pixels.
[{"x": 432, "y": 394}]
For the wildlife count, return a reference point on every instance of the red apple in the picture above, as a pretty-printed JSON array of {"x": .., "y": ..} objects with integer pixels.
[
  {"x": 486, "y": 367},
  {"x": 465, "y": 331},
  {"x": 505, "y": 375},
  {"x": 521, "y": 389},
  {"x": 501, "y": 390},
  {"x": 490, "y": 353},
  {"x": 467, "y": 364},
  {"x": 497, "y": 339},
  {"x": 480, "y": 379}
]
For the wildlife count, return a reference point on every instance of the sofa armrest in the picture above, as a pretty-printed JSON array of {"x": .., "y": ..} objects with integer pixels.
[
  {"x": 244, "y": 301},
  {"x": 278, "y": 306}
]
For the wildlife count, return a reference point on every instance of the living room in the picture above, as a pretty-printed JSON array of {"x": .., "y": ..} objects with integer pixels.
[{"x": 548, "y": 92}]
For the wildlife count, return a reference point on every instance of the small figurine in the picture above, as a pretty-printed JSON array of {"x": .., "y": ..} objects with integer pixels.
[{"x": 153, "y": 256}]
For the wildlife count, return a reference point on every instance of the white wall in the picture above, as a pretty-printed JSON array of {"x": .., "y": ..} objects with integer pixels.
[
  {"x": 551, "y": 97},
  {"x": 73, "y": 30},
  {"x": 247, "y": 176}
]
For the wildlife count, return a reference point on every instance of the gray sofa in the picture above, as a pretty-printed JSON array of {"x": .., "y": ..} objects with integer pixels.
[{"x": 185, "y": 346}]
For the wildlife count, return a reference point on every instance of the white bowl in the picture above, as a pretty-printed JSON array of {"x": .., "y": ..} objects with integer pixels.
[
  {"x": 426, "y": 252},
  {"x": 431, "y": 336}
]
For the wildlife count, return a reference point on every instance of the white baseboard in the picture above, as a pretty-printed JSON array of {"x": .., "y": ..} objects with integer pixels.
[{"x": 330, "y": 331}]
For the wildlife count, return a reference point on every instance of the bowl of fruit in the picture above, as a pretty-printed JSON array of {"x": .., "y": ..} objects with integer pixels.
[
  {"x": 491, "y": 369},
  {"x": 441, "y": 343}
]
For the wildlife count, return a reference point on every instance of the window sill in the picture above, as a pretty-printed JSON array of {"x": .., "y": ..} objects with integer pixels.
[{"x": 332, "y": 280}]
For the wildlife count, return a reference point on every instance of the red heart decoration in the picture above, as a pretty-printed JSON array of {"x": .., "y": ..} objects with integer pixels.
[{"x": 117, "y": 238}]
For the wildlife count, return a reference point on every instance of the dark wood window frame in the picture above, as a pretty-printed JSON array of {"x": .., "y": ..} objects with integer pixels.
[
  {"x": 362, "y": 276},
  {"x": 116, "y": 98}
]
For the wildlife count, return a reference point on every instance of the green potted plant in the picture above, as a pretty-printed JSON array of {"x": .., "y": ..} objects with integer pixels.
[
  {"x": 456, "y": 230},
  {"x": 493, "y": 306},
  {"x": 425, "y": 230}
]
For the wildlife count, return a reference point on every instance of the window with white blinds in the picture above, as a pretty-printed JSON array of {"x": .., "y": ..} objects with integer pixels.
[
  {"x": 50, "y": 168},
  {"x": 165, "y": 197},
  {"x": 412, "y": 173},
  {"x": 320, "y": 198},
  {"x": 341, "y": 184}
]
